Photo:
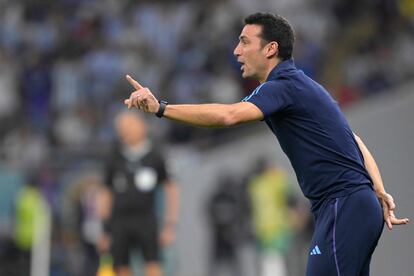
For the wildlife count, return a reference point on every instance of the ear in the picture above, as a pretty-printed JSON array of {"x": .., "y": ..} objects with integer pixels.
[{"x": 272, "y": 49}]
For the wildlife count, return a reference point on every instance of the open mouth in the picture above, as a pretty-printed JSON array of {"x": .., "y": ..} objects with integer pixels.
[{"x": 242, "y": 65}]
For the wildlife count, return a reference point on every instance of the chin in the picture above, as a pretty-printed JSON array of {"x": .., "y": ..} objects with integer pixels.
[
  {"x": 245, "y": 75},
  {"x": 248, "y": 76}
]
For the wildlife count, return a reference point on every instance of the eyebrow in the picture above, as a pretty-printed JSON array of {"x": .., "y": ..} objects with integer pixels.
[{"x": 242, "y": 37}]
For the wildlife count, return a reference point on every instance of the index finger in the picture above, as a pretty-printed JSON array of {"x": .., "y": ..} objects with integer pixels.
[
  {"x": 133, "y": 82},
  {"x": 397, "y": 221}
]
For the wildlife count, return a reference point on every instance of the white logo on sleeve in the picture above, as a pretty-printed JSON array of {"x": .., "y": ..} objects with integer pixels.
[{"x": 145, "y": 179}]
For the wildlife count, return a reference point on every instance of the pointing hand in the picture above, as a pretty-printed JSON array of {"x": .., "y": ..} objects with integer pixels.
[{"x": 141, "y": 98}]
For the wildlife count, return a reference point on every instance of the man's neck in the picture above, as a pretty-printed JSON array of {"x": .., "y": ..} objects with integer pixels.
[
  {"x": 272, "y": 64},
  {"x": 134, "y": 152}
]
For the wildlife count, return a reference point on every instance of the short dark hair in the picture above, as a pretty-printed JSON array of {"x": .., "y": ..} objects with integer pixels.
[{"x": 274, "y": 28}]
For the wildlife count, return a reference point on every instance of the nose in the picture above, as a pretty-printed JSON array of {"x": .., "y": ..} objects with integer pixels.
[{"x": 236, "y": 51}]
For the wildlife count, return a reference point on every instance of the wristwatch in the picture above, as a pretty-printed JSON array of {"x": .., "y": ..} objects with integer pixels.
[{"x": 161, "y": 109}]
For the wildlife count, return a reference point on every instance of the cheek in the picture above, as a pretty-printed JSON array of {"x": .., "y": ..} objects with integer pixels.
[
  {"x": 249, "y": 56},
  {"x": 253, "y": 57}
]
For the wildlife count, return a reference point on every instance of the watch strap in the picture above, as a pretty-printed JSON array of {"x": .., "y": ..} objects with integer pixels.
[{"x": 161, "y": 109}]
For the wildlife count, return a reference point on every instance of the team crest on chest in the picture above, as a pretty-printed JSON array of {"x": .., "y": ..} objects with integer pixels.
[{"x": 145, "y": 179}]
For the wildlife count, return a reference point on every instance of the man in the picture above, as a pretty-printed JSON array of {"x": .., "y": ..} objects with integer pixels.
[
  {"x": 135, "y": 172},
  {"x": 335, "y": 170}
]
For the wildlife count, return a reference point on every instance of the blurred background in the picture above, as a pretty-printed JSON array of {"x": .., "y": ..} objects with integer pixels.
[{"x": 62, "y": 68}]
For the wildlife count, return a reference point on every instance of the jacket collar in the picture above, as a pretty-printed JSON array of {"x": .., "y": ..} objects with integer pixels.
[{"x": 282, "y": 67}]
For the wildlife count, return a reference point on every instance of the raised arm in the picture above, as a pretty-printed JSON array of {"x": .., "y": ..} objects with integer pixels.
[
  {"x": 203, "y": 115},
  {"x": 386, "y": 199}
]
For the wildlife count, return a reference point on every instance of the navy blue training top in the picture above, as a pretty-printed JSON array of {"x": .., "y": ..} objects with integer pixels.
[{"x": 313, "y": 133}]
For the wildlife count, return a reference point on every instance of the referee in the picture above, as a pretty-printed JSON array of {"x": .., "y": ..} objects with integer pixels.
[
  {"x": 135, "y": 171},
  {"x": 335, "y": 170}
]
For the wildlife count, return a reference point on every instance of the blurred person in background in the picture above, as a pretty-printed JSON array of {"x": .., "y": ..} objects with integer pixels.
[
  {"x": 335, "y": 170},
  {"x": 272, "y": 213},
  {"x": 135, "y": 173},
  {"x": 232, "y": 247},
  {"x": 30, "y": 222},
  {"x": 11, "y": 183},
  {"x": 83, "y": 221}
]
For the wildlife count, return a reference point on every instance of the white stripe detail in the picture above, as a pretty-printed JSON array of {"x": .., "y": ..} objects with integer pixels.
[{"x": 254, "y": 92}]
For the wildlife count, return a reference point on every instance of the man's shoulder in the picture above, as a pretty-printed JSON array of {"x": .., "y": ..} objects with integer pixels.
[
  {"x": 155, "y": 154},
  {"x": 276, "y": 86}
]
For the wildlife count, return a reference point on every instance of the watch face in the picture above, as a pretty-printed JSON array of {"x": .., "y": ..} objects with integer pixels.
[{"x": 145, "y": 179}]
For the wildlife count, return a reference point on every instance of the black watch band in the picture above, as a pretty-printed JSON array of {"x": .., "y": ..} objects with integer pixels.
[{"x": 161, "y": 109}]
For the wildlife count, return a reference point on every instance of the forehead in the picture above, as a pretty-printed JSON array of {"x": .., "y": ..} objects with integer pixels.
[{"x": 251, "y": 31}]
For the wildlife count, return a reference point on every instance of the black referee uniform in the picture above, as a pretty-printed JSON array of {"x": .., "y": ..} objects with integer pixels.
[{"x": 134, "y": 176}]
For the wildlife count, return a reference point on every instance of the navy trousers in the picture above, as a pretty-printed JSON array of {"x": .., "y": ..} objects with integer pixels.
[{"x": 347, "y": 230}]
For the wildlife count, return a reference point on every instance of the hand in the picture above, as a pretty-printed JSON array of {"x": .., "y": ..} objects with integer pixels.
[
  {"x": 104, "y": 243},
  {"x": 141, "y": 98},
  {"x": 167, "y": 236},
  {"x": 388, "y": 206}
]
